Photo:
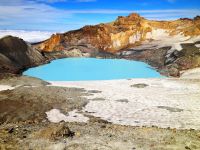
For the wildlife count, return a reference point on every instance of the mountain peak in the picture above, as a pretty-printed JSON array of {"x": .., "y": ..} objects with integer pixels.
[
  {"x": 134, "y": 16},
  {"x": 131, "y": 19}
]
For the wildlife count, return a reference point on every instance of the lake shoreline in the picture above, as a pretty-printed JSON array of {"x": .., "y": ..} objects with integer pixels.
[{"x": 89, "y": 69}]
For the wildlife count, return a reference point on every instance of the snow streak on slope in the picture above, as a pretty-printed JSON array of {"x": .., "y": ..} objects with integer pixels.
[{"x": 5, "y": 87}]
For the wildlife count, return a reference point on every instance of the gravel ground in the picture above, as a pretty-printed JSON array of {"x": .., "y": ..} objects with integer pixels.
[{"x": 24, "y": 123}]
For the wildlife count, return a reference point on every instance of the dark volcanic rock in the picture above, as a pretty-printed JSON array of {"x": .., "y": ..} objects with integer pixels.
[
  {"x": 30, "y": 104},
  {"x": 16, "y": 55},
  {"x": 140, "y": 85}
]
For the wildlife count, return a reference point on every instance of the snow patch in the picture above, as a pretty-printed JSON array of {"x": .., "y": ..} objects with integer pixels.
[
  {"x": 195, "y": 39},
  {"x": 135, "y": 38},
  {"x": 116, "y": 43},
  {"x": 197, "y": 45},
  {"x": 159, "y": 38},
  {"x": 56, "y": 116},
  {"x": 162, "y": 38},
  {"x": 6, "y": 87},
  {"x": 191, "y": 74},
  {"x": 157, "y": 34},
  {"x": 154, "y": 105},
  {"x": 29, "y": 36}
]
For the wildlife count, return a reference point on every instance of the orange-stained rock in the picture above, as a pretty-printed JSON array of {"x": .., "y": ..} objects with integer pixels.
[
  {"x": 123, "y": 33},
  {"x": 53, "y": 43}
]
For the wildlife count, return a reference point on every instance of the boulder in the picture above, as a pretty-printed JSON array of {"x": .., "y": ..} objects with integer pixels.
[{"x": 17, "y": 55}]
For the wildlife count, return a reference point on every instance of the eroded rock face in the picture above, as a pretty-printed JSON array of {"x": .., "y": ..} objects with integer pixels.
[
  {"x": 124, "y": 32},
  {"x": 159, "y": 43},
  {"x": 16, "y": 55}
]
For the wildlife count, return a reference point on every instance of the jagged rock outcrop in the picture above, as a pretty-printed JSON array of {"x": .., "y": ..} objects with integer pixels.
[
  {"x": 124, "y": 33},
  {"x": 169, "y": 46},
  {"x": 160, "y": 43},
  {"x": 16, "y": 55}
]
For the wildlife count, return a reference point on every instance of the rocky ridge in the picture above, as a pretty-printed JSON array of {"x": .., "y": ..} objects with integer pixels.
[
  {"x": 123, "y": 33},
  {"x": 134, "y": 37}
]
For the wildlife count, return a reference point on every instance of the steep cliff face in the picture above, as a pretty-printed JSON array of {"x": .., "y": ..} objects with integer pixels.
[
  {"x": 126, "y": 32},
  {"x": 166, "y": 45},
  {"x": 16, "y": 55}
]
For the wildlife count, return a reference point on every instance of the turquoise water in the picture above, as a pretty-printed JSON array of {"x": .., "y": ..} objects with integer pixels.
[{"x": 79, "y": 69}]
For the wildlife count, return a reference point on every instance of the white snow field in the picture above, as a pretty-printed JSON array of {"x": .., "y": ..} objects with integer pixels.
[
  {"x": 173, "y": 103},
  {"x": 56, "y": 116}
]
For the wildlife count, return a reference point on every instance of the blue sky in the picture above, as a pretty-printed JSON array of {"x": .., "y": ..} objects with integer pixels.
[{"x": 64, "y": 15}]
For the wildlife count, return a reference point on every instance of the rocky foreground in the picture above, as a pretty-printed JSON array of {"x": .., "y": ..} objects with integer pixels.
[
  {"x": 26, "y": 121},
  {"x": 129, "y": 114}
]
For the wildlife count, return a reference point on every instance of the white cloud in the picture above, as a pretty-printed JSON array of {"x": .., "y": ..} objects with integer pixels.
[
  {"x": 11, "y": 2},
  {"x": 31, "y": 15},
  {"x": 21, "y": 14},
  {"x": 115, "y": 11},
  {"x": 56, "y": 1},
  {"x": 25, "y": 2},
  {"x": 29, "y": 36}
]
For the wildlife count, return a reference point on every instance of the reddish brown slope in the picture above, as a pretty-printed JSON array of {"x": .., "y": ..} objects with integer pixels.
[{"x": 125, "y": 32}]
